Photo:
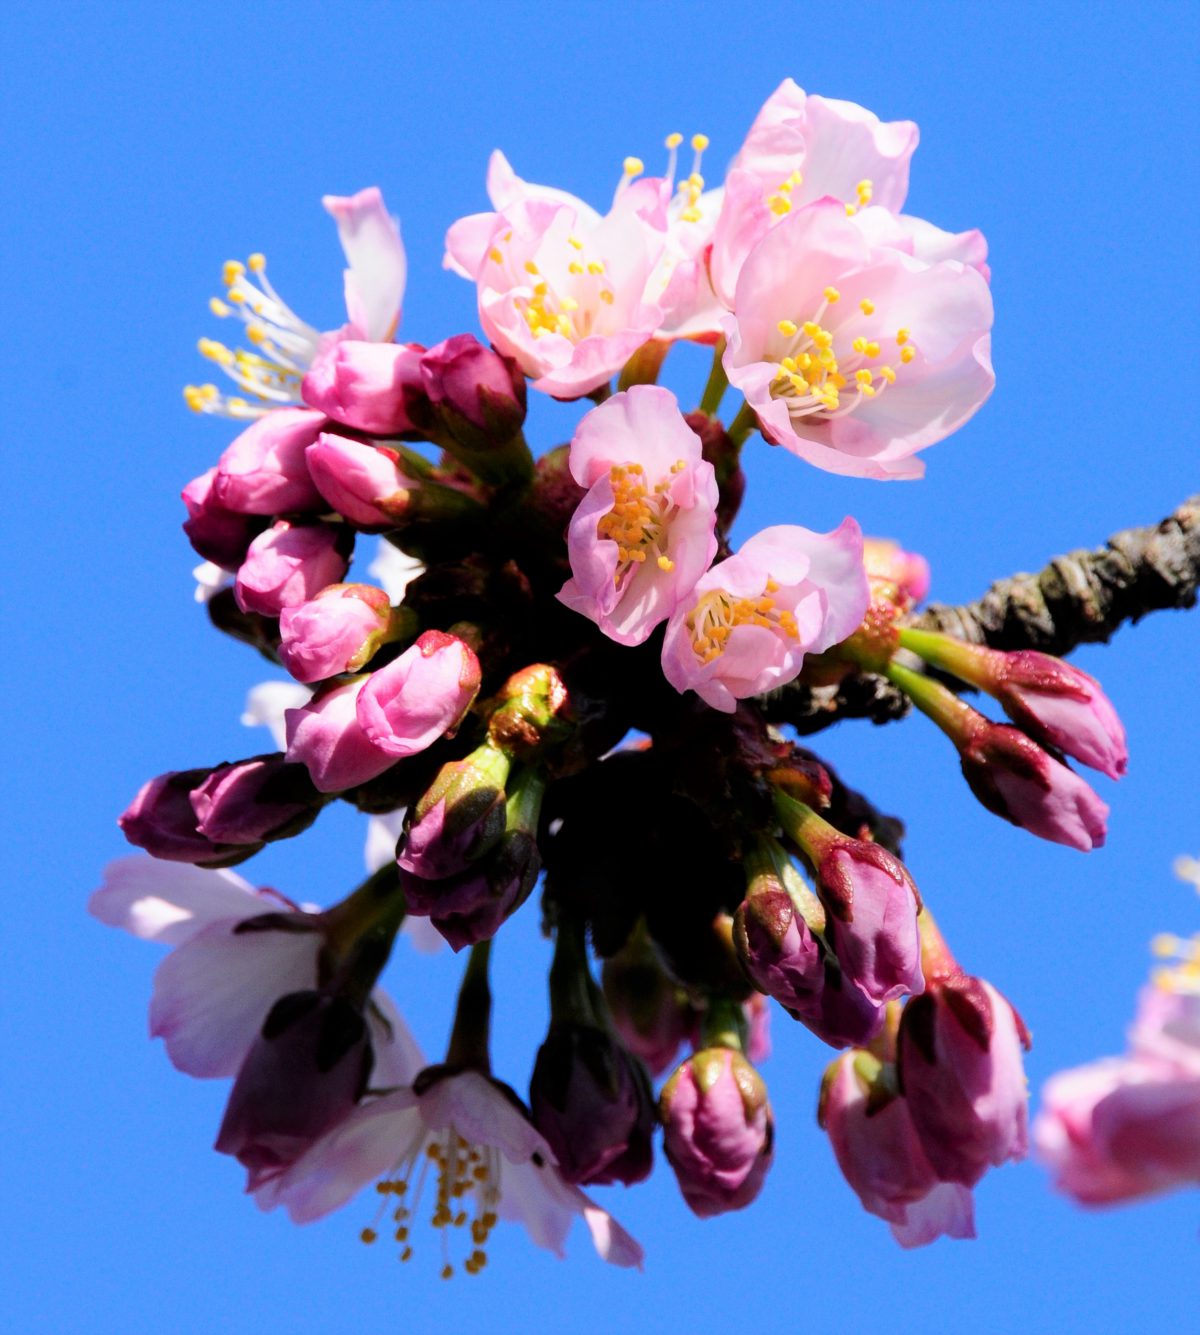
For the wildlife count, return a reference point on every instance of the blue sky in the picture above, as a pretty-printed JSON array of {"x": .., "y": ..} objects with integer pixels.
[{"x": 146, "y": 144}]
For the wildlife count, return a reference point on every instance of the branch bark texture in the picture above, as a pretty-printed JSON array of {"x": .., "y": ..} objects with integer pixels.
[{"x": 1080, "y": 598}]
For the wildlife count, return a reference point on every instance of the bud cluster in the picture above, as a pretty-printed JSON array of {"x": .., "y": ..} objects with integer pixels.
[{"x": 572, "y": 682}]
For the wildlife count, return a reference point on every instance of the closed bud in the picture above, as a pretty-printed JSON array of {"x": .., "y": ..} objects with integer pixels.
[
  {"x": 291, "y": 563},
  {"x": 460, "y": 816},
  {"x": 162, "y": 820},
  {"x": 365, "y": 386},
  {"x": 962, "y": 1073},
  {"x": 339, "y": 630},
  {"x": 648, "y": 1009},
  {"x": 593, "y": 1103},
  {"x": 718, "y": 1130},
  {"x": 305, "y": 1072},
  {"x": 216, "y": 532},
  {"x": 533, "y": 712},
  {"x": 263, "y": 471},
  {"x": 255, "y": 801},
  {"x": 420, "y": 696},
  {"x": 326, "y": 737}
]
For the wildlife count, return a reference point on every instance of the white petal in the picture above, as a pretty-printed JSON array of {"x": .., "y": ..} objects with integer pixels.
[
  {"x": 948, "y": 1209},
  {"x": 212, "y": 994},
  {"x": 398, "y": 1057},
  {"x": 368, "y": 1144},
  {"x": 393, "y": 570},
  {"x": 375, "y": 280},
  {"x": 480, "y": 1113},
  {"x": 382, "y": 834},
  {"x": 171, "y": 902},
  {"x": 267, "y": 703},
  {"x": 210, "y": 579}
]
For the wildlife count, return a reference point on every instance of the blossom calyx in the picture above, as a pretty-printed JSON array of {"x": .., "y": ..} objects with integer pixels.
[
  {"x": 960, "y": 1065},
  {"x": 533, "y": 713},
  {"x": 718, "y": 1130}
]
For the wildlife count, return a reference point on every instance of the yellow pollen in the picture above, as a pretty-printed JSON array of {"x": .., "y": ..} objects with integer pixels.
[
  {"x": 888, "y": 374},
  {"x": 530, "y": 267},
  {"x": 859, "y": 344},
  {"x": 232, "y": 271},
  {"x": 789, "y": 328},
  {"x": 574, "y": 267},
  {"x": 850, "y": 210},
  {"x": 595, "y": 266},
  {"x": 574, "y": 242},
  {"x": 902, "y": 337},
  {"x": 832, "y": 295},
  {"x": 673, "y": 140},
  {"x": 867, "y": 306},
  {"x": 633, "y": 167},
  {"x": 872, "y": 349},
  {"x": 495, "y": 256},
  {"x": 864, "y": 377},
  {"x": 691, "y": 214},
  {"x": 699, "y": 142},
  {"x": 712, "y": 621},
  {"x": 607, "y": 297},
  {"x": 863, "y": 191},
  {"x": 907, "y": 353},
  {"x": 257, "y": 262},
  {"x": 665, "y": 563},
  {"x": 218, "y": 307}
]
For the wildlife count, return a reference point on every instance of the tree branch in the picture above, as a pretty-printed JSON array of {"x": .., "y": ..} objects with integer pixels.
[{"x": 1080, "y": 598}]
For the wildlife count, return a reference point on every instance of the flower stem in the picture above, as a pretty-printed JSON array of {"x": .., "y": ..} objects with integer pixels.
[
  {"x": 965, "y": 661},
  {"x": 469, "y": 1040},
  {"x": 643, "y": 367},
  {"x": 955, "y": 718},
  {"x": 742, "y": 424},
  {"x": 723, "y": 1025},
  {"x": 717, "y": 383}
]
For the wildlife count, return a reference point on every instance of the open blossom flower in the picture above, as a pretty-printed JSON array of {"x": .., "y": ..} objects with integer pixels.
[
  {"x": 645, "y": 532},
  {"x": 751, "y": 619},
  {"x": 488, "y": 1162},
  {"x": 284, "y": 345},
  {"x": 560, "y": 291},
  {"x": 880, "y": 1156},
  {"x": 230, "y": 964},
  {"x": 855, "y": 357},
  {"x": 802, "y": 148}
]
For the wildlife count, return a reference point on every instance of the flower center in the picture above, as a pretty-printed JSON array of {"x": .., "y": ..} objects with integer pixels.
[
  {"x": 712, "y": 620},
  {"x": 284, "y": 346},
  {"x": 813, "y": 373},
  {"x": 462, "y": 1170},
  {"x": 640, "y": 518},
  {"x": 547, "y": 310}
]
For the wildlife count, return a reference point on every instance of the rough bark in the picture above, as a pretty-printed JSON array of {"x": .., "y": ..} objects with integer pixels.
[{"x": 1082, "y": 597}]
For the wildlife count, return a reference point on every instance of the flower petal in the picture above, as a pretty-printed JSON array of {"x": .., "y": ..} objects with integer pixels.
[{"x": 378, "y": 270}]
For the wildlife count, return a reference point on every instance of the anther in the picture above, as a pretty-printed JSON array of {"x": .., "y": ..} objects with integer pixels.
[{"x": 633, "y": 167}]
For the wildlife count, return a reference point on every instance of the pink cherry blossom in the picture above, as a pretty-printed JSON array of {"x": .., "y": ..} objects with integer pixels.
[
  {"x": 963, "y": 1076},
  {"x": 803, "y": 148},
  {"x": 880, "y": 1156},
  {"x": 507, "y": 1169},
  {"x": 212, "y": 993},
  {"x": 922, "y": 240},
  {"x": 326, "y": 736},
  {"x": 263, "y": 471},
  {"x": 645, "y": 532},
  {"x": 894, "y": 572},
  {"x": 420, "y": 696},
  {"x": 751, "y": 618},
  {"x": 559, "y": 291},
  {"x": 856, "y": 357},
  {"x": 364, "y": 483},
  {"x": 219, "y": 534},
  {"x": 289, "y": 564}
]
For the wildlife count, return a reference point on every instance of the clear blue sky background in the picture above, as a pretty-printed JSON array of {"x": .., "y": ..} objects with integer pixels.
[{"x": 144, "y": 144}]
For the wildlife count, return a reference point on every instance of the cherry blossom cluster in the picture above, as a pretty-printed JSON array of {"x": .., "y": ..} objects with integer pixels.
[{"x": 557, "y": 678}]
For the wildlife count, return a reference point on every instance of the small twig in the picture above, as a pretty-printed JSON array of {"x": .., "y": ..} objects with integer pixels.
[{"x": 1080, "y": 598}]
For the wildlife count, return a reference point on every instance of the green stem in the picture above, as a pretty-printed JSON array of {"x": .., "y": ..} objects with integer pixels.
[
  {"x": 601, "y": 392},
  {"x": 570, "y": 976},
  {"x": 742, "y": 425},
  {"x": 469, "y": 1040},
  {"x": 723, "y": 1025},
  {"x": 717, "y": 383},
  {"x": 955, "y": 718},
  {"x": 803, "y": 826},
  {"x": 968, "y": 662},
  {"x": 643, "y": 367}
]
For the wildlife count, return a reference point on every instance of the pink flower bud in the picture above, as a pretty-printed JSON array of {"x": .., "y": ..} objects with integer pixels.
[
  {"x": 593, "y": 1104},
  {"x": 962, "y": 1074},
  {"x": 255, "y": 801},
  {"x": 894, "y": 573},
  {"x": 421, "y": 696},
  {"x": 365, "y": 386},
  {"x": 648, "y": 1010},
  {"x": 880, "y": 1156},
  {"x": 718, "y": 1131},
  {"x": 363, "y": 483},
  {"x": 1061, "y": 706},
  {"x": 326, "y": 737},
  {"x": 337, "y": 631},
  {"x": 289, "y": 564},
  {"x": 305, "y": 1072},
  {"x": 161, "y": 820},
  {"x": 263, "y": 472},
  {"x": 1013, "y": 777},
  {"x": 216, "y": 533},
  {"x": 474, "y": 392},
  {"x": 459, "y": 818}
]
